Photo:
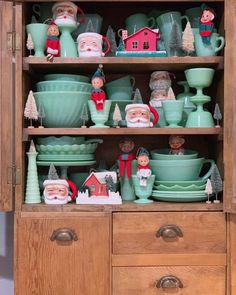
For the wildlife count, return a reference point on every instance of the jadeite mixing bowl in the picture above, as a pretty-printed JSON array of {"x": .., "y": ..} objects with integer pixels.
[
  {"x": 62, "y": 108},
  {"x": 63, "y": 86},
  {"x": 164, "y": 154},
  {"x": 66, "y": 77}
]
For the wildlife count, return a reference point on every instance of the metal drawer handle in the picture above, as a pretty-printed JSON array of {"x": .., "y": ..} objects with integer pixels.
[
  {"x": 64, "y": 235},
  {"x": 169, "y": 282},
  {"x": 169, "y": 231}
]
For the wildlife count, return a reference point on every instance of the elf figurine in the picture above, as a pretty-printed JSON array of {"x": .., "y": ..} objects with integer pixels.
[
  {"x": 144, "y": 169},
  {"x": 53, "y": 43},
  {"x": 98, "y": 95},
  {"x": 206, "y": 25},
  {"x": 125, "y": 159},
  {"x": 176, "y": 143}
]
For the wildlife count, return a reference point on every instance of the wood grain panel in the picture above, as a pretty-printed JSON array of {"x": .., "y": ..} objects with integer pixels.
[
  {"x": 135, "y": 233},
  {"x": 6, "y": 108},
  {"x": 142, "y": 280},
  {"x": 49, "y": 268}
]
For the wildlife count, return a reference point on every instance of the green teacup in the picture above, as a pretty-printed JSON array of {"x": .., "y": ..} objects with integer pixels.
[
  {"x": 180, "y": 169},
  {"x": 143, "y": 192},
  {"x": 217, "y": 43},
  {"x": 126, "y": 81},
  {"x": 173, "y": 110},
  {"x": 38, "y": 33},
  {"x": 119, "y": 92}
]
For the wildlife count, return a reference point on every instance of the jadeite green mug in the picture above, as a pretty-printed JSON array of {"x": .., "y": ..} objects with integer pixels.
[
  {"x": 194, "y": 15},
  {"x": 181, "y": 170},
  {"x": 136, "y": 21},
  {"x": 173, "y": 111},
  {"x": 143, "y": 192},
  {"x": 38, "y": 33},
  {"x": 165, "y": 23},
  {"x": 217, "y": 43}
]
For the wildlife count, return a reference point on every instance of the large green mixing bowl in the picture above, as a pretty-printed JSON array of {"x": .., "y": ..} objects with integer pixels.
[
  {"x": 62, "y": 108},
  {"x": 66, "y": 77},
  {"x": 63, "y": 86}
]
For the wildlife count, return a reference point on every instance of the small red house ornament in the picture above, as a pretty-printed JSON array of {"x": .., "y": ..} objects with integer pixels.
[
  {"x": 97, "y": 187},
  {"x": 144, "y": 39}
]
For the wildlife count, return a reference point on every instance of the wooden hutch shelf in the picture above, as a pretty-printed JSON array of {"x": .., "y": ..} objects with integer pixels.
[
  {"x": 125, "y": 207},
  {"x": 119, "y": 65},
  {"x": 121, "y": 131}
]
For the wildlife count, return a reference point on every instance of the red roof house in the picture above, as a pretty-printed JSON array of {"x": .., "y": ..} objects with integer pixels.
[
  {"x": 96, "y": 187},
  {"x": 143, "y": 40}
]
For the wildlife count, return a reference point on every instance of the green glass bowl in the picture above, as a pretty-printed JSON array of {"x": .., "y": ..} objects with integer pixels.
[
  {"x": 60, "y": 140},
  {"x": 66, "y": 77},
  {"x": 164, "y": 154},
  {"x": 63, "y": 86},
  {"x": 62, "y": 108}
]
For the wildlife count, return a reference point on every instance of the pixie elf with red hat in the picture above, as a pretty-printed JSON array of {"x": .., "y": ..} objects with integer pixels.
[
  {"x": 53, "y": 43},
  {"x": 98, "y": 95},
  {"x": 206, "y": 25}
]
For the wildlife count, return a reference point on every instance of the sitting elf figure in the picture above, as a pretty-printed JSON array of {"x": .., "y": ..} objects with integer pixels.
[
  {"x": 98, "y": 95},
  {"x": 206, "y": 26}
]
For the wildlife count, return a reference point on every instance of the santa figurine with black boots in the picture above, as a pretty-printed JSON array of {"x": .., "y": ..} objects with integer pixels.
[
  {"x": 98, "y": 95},
  {"x": 53, "y": 43},
  {"x": 206, "y": 25},
  {"x": 143, "y": 169}
]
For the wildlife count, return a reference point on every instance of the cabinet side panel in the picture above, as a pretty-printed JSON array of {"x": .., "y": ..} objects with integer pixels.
[{"x": 6, "y": 107}]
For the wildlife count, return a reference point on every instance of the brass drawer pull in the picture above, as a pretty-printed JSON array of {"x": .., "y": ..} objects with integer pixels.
[
  {"x": 64, "y": 235},
  {"x": 169, "y": 282},
  {"x": 169, "y": 231}
]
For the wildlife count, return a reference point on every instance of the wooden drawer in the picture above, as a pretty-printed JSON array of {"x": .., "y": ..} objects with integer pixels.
[
  {"x": 193, "y": 280},
  {"x": 198, "y": 232}
]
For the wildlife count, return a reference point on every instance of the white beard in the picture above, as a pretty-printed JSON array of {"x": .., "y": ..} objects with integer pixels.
[
  {"x": 65, "y": 21},
  {"x": 138, "y": 124},
  {"x": 61, "y": 201},
  {"x": 89, "y": 53}
]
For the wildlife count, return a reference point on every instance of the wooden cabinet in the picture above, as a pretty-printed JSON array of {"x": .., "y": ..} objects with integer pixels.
[
  {"x": 129, "y": 247},
  {"x": 63, "y": 254}
]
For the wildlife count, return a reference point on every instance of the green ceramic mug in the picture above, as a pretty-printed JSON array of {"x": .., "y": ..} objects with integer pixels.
[
  {"x": 194, "y": 15},
  {"x": 38, "y": 33},
  {"x": 137, "y": 21},
  {"x": 217, "y": 43},
  {"x": 128, "y": 81},
  {"x": 181, "y": 170},
  {"x": 119, "y": 93},
  {"x": 173, "y": 111}
]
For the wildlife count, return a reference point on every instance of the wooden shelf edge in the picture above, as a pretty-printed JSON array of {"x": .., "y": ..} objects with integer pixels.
[
  {"x": 123, "y": 60},
  {"x": 120, "y": 131},
  {"x": 125, "y": 207}
]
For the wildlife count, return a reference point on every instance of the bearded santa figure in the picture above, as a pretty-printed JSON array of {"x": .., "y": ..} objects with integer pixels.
[
  {"x": 66, "y": 13},
  {"x": 56, "y": 191},
  {"x": 139, "y": 115}
]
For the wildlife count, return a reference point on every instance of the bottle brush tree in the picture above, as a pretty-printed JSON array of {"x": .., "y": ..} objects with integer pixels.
[
  {"x": 175, "y": 39},
  {"x": 117, "y": 116},
  {"x": 84, "y": 116},
  {"x": 188, "y": 39},
  {"x": 112, "y": 38},
  {"x": 137, "y": 96},
  {"x": 217, "y": 115},
  {"x": 217, "y": 183},
  {"x": 29, "y": 43},
  {"x": 208, "y": 190},
  {"x": 31, "y": 111}
]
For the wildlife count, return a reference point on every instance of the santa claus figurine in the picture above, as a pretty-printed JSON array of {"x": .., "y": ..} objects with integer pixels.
[
  {"x": 56, "y": 191},
  {"x": 206, "y": 25},
  {"x": 144, "y": 169},
  {"x": 98, "y": 95},
  {"x": 53, "y": 43}
]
